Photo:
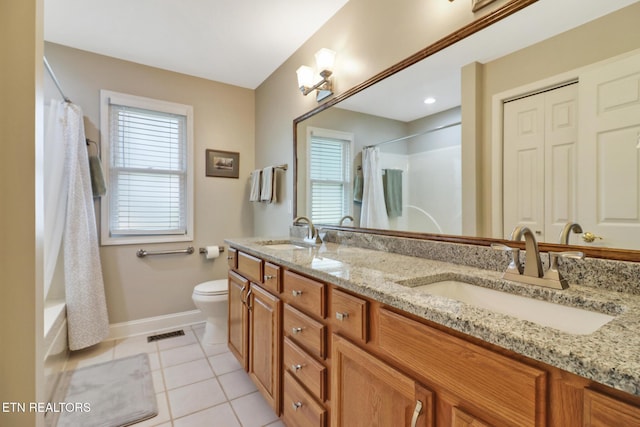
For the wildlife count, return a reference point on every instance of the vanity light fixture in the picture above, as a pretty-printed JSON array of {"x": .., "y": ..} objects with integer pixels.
[{"x": 306, "y": 75}]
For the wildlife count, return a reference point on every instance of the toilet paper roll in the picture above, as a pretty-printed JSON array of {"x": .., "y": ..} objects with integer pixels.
[{"x": 212, "y": 252}]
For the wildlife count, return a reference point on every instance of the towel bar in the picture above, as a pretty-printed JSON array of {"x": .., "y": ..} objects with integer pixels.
[{"x": 142, "y": 253}]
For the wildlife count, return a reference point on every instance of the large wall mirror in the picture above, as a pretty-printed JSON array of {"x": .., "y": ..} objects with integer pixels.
[{"x": 536, "y": 121}]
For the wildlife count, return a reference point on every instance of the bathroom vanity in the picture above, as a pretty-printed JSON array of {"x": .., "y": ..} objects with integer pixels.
[{"x": 348, "y": 335}]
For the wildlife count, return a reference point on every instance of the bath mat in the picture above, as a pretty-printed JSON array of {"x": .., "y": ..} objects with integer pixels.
[{"x": 111, "y": 394}]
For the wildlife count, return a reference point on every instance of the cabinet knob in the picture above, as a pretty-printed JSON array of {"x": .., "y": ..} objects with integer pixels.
[
  {"x": 229, "y": 257},
  {"x": 296, "y": 293},
  {"x": 296, "y": 405},
  {"x": 296, "y": 368},
  {"x": 341, "y": 316},
  {"x": 268, "y": 277},
  {"x": 296, "y": 330}
]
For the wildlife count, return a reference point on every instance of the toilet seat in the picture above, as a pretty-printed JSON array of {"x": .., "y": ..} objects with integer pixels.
[{"x": 212, "y": 287}]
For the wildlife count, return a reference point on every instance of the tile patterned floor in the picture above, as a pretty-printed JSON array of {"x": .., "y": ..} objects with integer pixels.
[{"x": 197, "y": 385}]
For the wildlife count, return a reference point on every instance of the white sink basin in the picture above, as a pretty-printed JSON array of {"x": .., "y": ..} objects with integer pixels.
[{"x": 566, "y": 319}]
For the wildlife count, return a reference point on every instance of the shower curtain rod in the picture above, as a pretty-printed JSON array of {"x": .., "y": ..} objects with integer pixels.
[
  {"x": 415, "y": 134},
  {"x": 55, "y": 80}
]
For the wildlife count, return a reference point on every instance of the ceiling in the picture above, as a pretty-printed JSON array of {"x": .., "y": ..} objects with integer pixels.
[
  {"x": 401, "y": 96},
  {"x": 238, "y": 42}
]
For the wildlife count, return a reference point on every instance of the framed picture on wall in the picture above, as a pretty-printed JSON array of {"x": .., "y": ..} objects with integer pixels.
[
  {"x": 479, "y": 4},
  {"x": 222, "y": 164}
]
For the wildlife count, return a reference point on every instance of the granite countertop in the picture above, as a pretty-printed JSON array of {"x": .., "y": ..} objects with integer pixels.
[{"x": 610, "y": 355}]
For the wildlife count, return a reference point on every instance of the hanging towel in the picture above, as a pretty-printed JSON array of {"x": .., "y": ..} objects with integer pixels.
[
  {"x": 254, "y": 194},
  {"x": 88, "y": 323},
  {"x": 357, "y": 186},
  {"x": 98, "y": 186},
  {"x": 392, "y": 184},
  {"x": 268, "y": 192}
]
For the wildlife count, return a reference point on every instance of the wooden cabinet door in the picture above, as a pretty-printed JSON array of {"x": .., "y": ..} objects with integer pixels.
[
  {"x": 605, "y": 411},
  {"x": 238, "y": 321},
  {"x": 265, "y": 318},
  {"x": 462, "y": 419},
  {"x": 367, "y": 392}
]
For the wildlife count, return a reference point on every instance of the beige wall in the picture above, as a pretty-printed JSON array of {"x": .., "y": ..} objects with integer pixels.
[
  {"x": 223, "y": 119},
  {"x": 21, "y": 329},
  {"x": 368, "y": 37},
  {"x": 603, "y": 38}
]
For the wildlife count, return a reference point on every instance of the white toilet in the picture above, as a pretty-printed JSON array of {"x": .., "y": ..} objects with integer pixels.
[{"x": 211, "y": 298}]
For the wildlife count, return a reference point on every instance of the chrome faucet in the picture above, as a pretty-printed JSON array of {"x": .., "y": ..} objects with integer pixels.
[
  {"x": 566, "y": 230},
  {"x": 312, "y": 233},
  {"x": 532, "y": 272},
  {"x": 344, "y": 218}
]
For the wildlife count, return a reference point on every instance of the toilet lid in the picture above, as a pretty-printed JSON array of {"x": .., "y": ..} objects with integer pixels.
[{"x": 212, "y": 287}]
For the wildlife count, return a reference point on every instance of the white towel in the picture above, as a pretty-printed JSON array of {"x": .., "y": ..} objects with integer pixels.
[
  {"x": 254, "y": 195},
  {"x": 268, "y": 193}
]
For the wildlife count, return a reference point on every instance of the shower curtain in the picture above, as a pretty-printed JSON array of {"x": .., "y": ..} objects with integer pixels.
[
  {"x": 87, "y": 319},
  {"x": 374, "y": 210}
]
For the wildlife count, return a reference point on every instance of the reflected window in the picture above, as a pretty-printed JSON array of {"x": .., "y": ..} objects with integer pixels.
[{"x": 329, "y": 175}]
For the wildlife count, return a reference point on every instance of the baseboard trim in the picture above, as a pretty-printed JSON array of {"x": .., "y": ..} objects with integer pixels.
[{"x": 154, "y": 324}]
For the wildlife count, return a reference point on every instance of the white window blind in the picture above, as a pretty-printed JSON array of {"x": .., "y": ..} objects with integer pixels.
[
  {"x": 148, "y": 174},
  {"x": 329, "y": 178}
]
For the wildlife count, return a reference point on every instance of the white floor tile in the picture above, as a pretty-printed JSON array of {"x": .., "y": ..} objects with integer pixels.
[
  {"x": 224, "y": 363},
  {"x": 188, "y": 338},
  {"x": 253, "y": 410},
  {"x": 195, "y": 397},
  {"x": 187, "y": 373},
  {"x": 158, "y": 381},
  {"x": 178, "y": 355},
  {"x": 102, "y": 352},
  {"x": 214, "y": 349},
  {"x": 236, "y": 384},
  {"x": 154, "y": 361},
  {"x": 130, "y": 346},
  {"x": 276, "y": 424},
  {"x": 221, "y": 415},
  {"x": 163, "y": 413}
]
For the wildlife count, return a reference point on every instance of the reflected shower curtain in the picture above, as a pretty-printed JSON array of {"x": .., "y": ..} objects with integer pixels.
[
  {"x": 374, "y": 210},
  {"x": 87, "y": 319}
]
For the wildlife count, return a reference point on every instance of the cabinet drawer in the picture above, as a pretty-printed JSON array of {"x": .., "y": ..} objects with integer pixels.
[
  {"x": 299, "y": 408},
  {"x": 311, "y": 373},
  {"x": 250, "y": 267},
  {"x": 271, "y": 279},
  {"x": 304, "y": 293},
  {"x": 306, "y": 332},
  {"x": 232, "y": 258},
  {"x": 510, "y": 392},
  {"x": 349, "y": 315}
]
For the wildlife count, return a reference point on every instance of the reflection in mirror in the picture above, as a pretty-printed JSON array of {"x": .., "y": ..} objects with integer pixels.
[{"x": 422, "y": 146}]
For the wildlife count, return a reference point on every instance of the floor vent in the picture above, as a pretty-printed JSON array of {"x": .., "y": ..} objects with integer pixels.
[{"x": 165, "y": 336}]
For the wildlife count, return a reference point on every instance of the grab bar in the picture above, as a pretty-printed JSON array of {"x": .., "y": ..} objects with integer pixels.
[{"x": 142, "y": 253}]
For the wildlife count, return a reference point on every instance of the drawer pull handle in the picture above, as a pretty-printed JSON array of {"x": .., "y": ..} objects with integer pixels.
[
  {"x": 342, "y": 316},
  {"x": 268, "y": 277},
  {"x": 296, "y": 293},
  {"x": 296, "y": 405},
  {"x": 296, "y": 368},
  {"x": 296, "y": 330},
  {"x": 416, "y": 413}
]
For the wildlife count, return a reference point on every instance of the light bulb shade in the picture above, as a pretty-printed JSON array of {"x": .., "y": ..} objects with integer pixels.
[
  {"x": 324, "y": 59},
  {"x": 305, "y": 76}
]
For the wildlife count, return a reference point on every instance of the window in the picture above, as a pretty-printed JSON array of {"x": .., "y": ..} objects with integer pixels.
[
  {"x": 147, "y": 148},
  {"x": 329, "y": 175}
]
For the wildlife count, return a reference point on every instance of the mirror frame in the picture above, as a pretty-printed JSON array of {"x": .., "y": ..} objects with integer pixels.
[{"x": 502, "y": 12}]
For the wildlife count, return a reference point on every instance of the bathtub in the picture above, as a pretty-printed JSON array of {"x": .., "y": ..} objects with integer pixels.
[{"x": 55, "y": 344}]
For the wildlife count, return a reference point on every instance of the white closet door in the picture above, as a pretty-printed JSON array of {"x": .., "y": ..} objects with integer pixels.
[
  {"x": 609, "y": 188},
  {"x": 561, "y": 134},
  {"x": 523, "y": 165},
  {"x": 540, "y": 134}
]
